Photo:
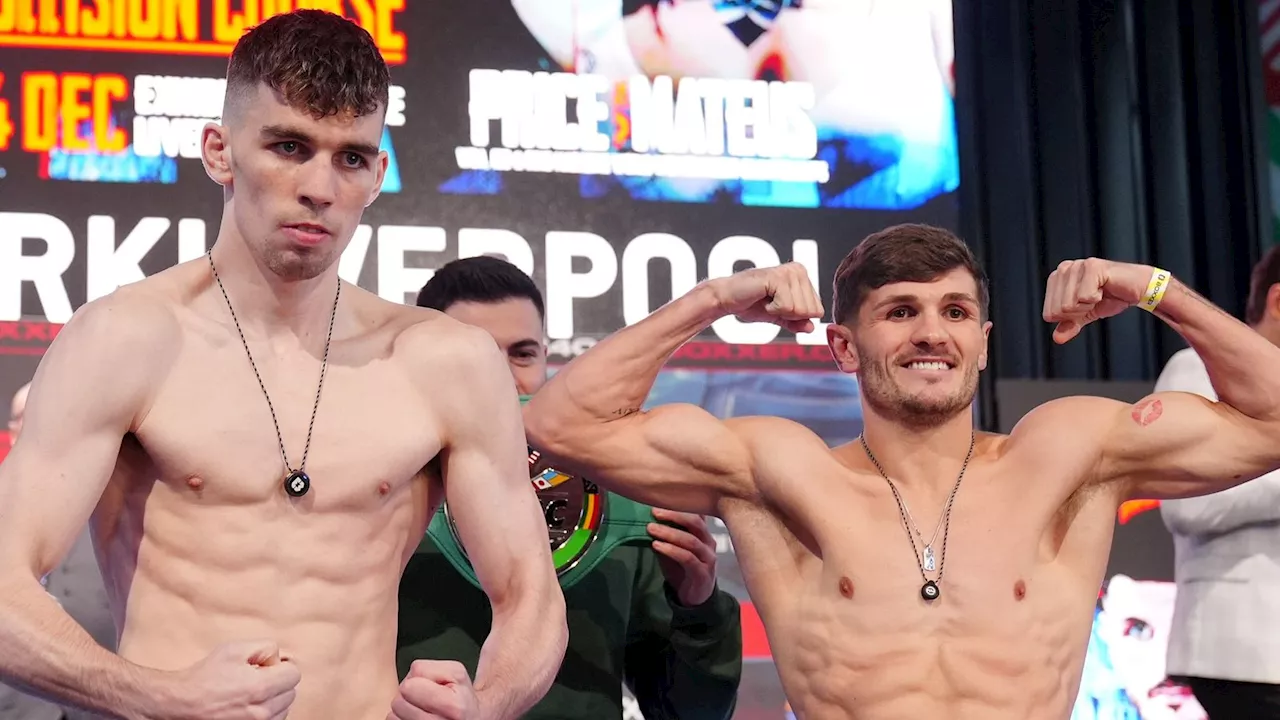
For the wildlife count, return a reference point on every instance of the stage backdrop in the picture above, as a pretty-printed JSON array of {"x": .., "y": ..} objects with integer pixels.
[{"x": 616, "y": 151}]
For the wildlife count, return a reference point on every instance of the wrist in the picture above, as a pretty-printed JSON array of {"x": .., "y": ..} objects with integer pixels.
[
  {"x": 150, "y": 694},
  {"x": 1152, "y": 284},
  {"x": 712, "y": 298},
  {"x": 706, "y": 613}
]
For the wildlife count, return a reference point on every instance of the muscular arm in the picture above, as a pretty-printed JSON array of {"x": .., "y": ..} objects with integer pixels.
[
  {"x": 1248, "y": 504},
  {"x": 88, "y": 393},
  {"x": 1178, "y": 444},
  {"x": 486, "y": 479},
  {"x": 678, "y": 456}
]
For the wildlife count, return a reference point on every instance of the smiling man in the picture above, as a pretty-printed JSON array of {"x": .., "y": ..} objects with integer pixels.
[
  {"x": 925, "y": 570},
  {"x": 258, "y": 446}
]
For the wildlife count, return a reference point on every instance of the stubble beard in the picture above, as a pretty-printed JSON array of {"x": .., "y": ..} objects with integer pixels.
[{"x": 890, "y": 401}]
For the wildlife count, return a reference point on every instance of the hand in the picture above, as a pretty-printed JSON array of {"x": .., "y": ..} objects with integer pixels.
[
  {"x": 687, "y": 557},
  {"x": 1081, "y": 291},
  {"x": 435, "y": 690},
  {"x": 237, "y": 681},
  {"x": 782, "y": 295}
]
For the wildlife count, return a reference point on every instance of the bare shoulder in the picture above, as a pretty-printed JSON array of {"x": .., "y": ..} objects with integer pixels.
[
  {"x": 136, "y": 323},
  {"x": 781, "y": 449},
  {"x": 116, "y": 350},
  {"x": 1067, "y": 435},
  {"x": 770, "y": 433},
  {"x": 430, "y": 340},
  {"x": 1068, "y": 422}
]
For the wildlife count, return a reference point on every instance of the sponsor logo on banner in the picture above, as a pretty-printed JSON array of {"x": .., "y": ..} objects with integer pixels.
[{"x": 106, "y": 252}]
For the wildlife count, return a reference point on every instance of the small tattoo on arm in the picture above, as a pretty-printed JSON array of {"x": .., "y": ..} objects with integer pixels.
[
  {"x": 1147, "y": 411},
  {"x": 1182, "y": 288}
]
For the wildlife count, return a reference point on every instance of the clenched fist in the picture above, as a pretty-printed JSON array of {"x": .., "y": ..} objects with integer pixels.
[
  {"x": 782, "y": 295},
  {"x": 237, "y": 681},
  {"x": 435, "y": 690},
  {"x": 1081, "y": 291}
]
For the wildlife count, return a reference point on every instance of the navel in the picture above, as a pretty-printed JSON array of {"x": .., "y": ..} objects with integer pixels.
[
  {"x": 384, "y": 488},
  {"x": 195, "y": 483},
  {"x": 846, "y": 587},
  {"x": 1019, "y": 590}
]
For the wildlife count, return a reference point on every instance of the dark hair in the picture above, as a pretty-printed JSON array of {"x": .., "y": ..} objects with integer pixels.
[
  {"x": 317, "y": 61},
  {"x": 1265, "y": 274},
  {"x": 480, "y": 279},
  {"x": 902, "y": 253}
]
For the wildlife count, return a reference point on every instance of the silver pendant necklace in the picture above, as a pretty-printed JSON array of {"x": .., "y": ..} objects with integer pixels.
[
  {"x": 930, "y": 561},
  {"x": 296, "y": 480},
  {"x": 925, "y": 560}
]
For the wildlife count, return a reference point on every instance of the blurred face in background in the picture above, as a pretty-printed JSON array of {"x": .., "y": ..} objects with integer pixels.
[{"x": 516, "y": 326}]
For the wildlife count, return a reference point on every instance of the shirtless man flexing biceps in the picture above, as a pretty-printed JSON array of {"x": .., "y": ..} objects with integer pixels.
[
  {"x": 258, "y": 446},
  {"x": 871, "y": 613}
]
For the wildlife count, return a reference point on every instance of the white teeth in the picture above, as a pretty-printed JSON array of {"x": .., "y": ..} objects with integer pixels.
[{"x": 918, "y": 365}]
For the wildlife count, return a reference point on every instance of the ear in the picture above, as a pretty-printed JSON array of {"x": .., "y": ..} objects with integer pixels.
[
  {"x": 215, "y": 153},
  {"x": 986, "y": 342},
  {"x": 1273, "y": 302},
  {"x": 381, "y": 169},
  {"x": 840, "y": 340}
]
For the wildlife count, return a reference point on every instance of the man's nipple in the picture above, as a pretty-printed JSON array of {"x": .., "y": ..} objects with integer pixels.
[
  {"x": 1019, "y": 590},
  {"x": 195, "y": 483},
  {"x": 384, "y": 488},
  {"x": 846, "y": 588}
]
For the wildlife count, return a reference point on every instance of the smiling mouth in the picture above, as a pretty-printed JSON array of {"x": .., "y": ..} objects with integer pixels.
[{"x": 929, "y": 365}]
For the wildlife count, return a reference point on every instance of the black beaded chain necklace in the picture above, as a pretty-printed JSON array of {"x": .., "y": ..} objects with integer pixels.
[
  {"x": 930, "y": 590},
  {"x": 296, "y": 480}
]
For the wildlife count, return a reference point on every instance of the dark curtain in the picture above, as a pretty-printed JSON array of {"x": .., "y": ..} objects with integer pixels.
[{"x": 1127, "y": 130}]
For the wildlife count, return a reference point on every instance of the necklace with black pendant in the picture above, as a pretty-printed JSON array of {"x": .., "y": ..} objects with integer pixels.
[
  {"x": 930, "y": 590},
  {"x": 296, "y": 481}
]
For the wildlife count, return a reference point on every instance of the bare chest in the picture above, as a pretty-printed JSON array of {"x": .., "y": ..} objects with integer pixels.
[{"x": 228, "y": 435}]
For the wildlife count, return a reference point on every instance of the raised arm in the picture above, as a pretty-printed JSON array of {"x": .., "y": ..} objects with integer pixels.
[
  {"x": 1176, "y": 444},
  {"x": 88, "y": 392},
  {"x": 486, "y": 482},
  {"x": 1254, "y": 502},
  {"x": 589, "y": 418}
]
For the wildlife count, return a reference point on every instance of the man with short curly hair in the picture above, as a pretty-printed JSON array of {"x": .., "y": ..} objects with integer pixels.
[{"x": 257, "y": 446}]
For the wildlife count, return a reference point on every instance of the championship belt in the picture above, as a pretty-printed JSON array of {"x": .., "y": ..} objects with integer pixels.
[{"x": 584, "y": 523}]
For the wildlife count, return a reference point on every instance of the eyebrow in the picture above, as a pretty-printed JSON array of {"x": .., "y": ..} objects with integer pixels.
[
  {"x": 285, "y": 132},
  {"x": 529, "y": 344},
  {"x": 949, "y": 297}
]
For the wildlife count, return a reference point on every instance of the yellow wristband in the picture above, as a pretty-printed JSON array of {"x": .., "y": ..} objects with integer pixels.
[{"x": 1155, "y": 290}]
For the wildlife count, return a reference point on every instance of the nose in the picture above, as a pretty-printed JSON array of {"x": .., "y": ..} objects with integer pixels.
[
  {"x": 317, "y": 184},
  {"x": 929, "y": 331},
  {"x": 528, "y": 379}
]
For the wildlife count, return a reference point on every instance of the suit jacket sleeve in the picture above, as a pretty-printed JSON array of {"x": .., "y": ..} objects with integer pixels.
[
  {"x": 1250, "y": 503},
  {"x": 682, "y": 662}
]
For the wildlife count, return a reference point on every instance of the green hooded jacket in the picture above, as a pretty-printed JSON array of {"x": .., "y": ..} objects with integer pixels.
[{"x": 625, "y": 626}]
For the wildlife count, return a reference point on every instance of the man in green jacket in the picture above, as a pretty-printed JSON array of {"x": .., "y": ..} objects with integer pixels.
[{"x": 639, "y": 583}]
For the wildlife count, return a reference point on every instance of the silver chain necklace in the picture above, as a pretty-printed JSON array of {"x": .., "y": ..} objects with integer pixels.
[
  {"x": 930, "y": 589},
  {"x": 296, "y": 481}
]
